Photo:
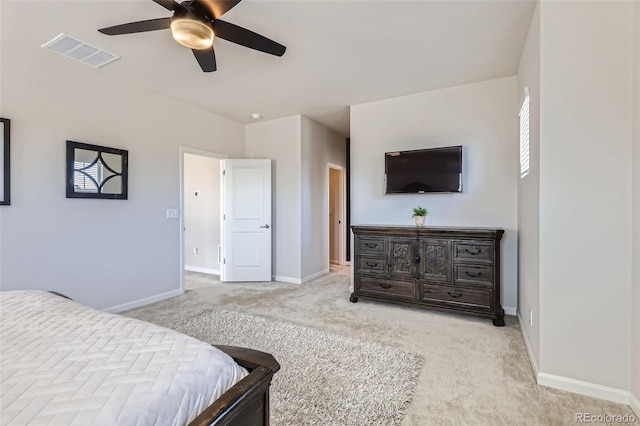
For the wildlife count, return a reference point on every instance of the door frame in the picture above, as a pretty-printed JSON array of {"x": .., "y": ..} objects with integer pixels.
[
  {"x": 342, "y": 213},
  {"x": 193, "y": 151}
]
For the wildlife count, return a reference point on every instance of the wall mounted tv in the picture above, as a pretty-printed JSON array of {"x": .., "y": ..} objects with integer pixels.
[{"x": 423, "y": 170}]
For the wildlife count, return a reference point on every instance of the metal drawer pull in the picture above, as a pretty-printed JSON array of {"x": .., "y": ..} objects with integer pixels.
[
  {"x": 473, "y": 253},
  {"x": 387, "y": 286},
  {"x": 374, "y": 245},
  {"x": 455, "y": 295},
  {"x": 417, "y": 260},
  {"x": 372, "y": 264},
  {"x": 479, "y": 274}
]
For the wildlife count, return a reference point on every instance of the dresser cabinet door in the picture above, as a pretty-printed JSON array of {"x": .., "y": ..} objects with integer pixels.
[
  {"x": 436, "y": 264},
  {"x": 402, "y": 257}
]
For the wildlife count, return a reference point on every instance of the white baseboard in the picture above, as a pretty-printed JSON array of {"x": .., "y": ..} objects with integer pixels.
[
  {"x": 314, "y": 276},
  {"x": 142, "y": 302},
  {"x": 527, "y": 345},
  {"x": 634, "y": 404},
  {"x": 202, "y": 270},
  {"x": 508, "y": 310},
  {"x": 287, "y": 279},
  {"x": 576, "y": 386},
  {"x": 291, "y": 280},
  {"x": 584, "y": 388}
]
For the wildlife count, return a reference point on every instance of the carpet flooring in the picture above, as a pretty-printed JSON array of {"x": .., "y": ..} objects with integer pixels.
[
  {"x": 325, "y": 379},
  {"x": 473, "y": 374}
]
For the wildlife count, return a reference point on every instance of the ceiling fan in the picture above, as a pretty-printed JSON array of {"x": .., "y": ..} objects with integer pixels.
[{"x": 195, "y": 23}]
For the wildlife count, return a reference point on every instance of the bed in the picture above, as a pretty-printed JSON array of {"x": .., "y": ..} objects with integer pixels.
[{"x": 63, "y": 363}]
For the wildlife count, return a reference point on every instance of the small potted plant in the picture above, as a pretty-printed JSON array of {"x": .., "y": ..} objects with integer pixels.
[{"x": 419, "y": 214}]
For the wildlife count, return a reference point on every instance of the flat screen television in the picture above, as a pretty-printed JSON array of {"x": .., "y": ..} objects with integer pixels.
[{"x": 424, "y": 170}]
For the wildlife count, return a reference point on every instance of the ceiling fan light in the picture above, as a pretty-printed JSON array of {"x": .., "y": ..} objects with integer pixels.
[{"x": 192, "y": 34}]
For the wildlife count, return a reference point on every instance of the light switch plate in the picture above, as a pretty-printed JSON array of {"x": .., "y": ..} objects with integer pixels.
[{"x": 173, "y": 213}]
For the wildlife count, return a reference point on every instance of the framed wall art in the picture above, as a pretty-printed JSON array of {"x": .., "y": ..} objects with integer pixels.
[
  {"x": 95, "y": 171},
  {"x": 5, "y": 161}
]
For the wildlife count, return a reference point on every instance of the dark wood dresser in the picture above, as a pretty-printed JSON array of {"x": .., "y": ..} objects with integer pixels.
[{"x": 442, "y": 268}]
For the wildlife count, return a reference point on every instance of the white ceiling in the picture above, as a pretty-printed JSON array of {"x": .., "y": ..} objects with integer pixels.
[{"x": 339, "y": 53}]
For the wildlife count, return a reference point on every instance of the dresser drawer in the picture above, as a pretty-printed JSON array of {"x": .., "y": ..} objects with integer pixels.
[
  {"x": 371, "y": 245},
  {"x": 473, "y": 274},
  {"x": 372, "y": 265},
  {"x": 474, "y": 251},
  {"x": 454, "y": 296},
  {"x": 393, "y": 289}
]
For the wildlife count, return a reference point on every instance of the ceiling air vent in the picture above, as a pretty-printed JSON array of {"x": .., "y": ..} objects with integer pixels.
[{"x": 80, "y": 51}]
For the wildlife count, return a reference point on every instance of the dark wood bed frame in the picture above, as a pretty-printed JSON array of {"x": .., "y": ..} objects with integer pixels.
[{"x": 247, "y": 402}]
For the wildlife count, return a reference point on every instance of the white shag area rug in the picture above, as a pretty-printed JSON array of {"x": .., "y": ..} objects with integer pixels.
[{"x": 325, "y": 379}]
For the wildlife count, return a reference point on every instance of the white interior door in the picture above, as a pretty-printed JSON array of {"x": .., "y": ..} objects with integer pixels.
[
  {"x": 337, "y": 230},
  {"x": 246, "y": 220},
  {"x": 334, "y": 216}
]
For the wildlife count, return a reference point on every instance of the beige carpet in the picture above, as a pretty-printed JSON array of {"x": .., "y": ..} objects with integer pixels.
[
  {"x": 325, "y": 379},
  {"x": 474, "y": 373}
]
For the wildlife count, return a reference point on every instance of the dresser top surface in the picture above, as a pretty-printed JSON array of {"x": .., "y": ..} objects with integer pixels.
[{"x": 389, "y": 229}]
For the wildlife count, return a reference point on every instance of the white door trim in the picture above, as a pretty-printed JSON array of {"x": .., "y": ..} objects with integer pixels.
[
  {"x": 341, "y": 214},
  {"x": 186, "y": 150}
]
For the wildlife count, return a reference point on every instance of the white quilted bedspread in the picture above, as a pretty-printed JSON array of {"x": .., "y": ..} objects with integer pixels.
[{"x": 66, "y": 364}]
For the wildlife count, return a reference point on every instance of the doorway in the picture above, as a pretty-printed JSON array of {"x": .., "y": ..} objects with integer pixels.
[
  {"x": 200, "y": 205},
  {"x": 336, "y": 215}
]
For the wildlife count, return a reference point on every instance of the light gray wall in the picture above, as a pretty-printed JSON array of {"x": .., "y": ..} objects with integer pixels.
[
  {"x": 104, "y": 253},
  {"x": 585, "y": 191},
  {"x": 201, "y": 212},
  {"x": 529, "y": 196},
  {"x": 635, "y": 300},
  {"x": 280, "y": 140},
  {"x": 483, "y": 118},
  {"x": 320, "y": 146}
]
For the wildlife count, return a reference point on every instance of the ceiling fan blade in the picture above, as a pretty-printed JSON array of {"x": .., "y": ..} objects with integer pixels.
[
  {"x": 247, "y": 38},
  {"x": 137, "y": 27},
  {"x": 206, "y": 58},
  {"x": 167, "y": 4},
  {"x": 218, "y": 7}
]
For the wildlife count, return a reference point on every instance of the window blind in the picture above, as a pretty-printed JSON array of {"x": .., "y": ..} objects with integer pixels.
[{"x": 524, "y": 137}]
